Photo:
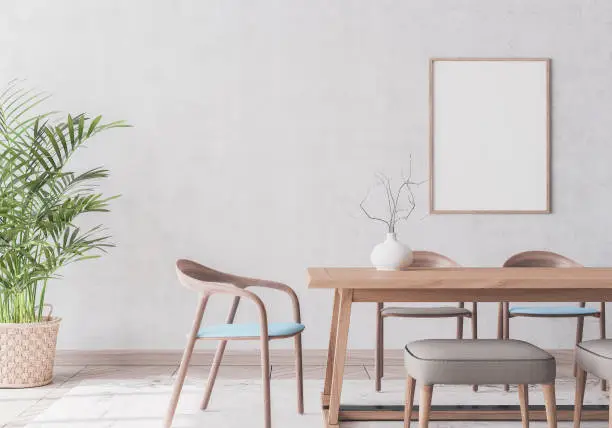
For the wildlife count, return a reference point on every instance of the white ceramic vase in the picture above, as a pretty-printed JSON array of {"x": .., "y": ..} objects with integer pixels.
[{"x": 391, "y": 254}]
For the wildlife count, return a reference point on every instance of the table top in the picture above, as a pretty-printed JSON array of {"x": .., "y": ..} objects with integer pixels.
[{"x": 462, "y": 278}]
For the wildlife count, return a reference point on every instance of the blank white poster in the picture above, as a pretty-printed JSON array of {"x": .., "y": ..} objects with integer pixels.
[{"x": 490, "y": 136}]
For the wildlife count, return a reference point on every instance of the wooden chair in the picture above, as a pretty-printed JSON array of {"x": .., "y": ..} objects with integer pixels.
[
  {"x": 207, "y": 282},
  {"x": 424, "y": 259},
  {"x": 547, "y": 259}
]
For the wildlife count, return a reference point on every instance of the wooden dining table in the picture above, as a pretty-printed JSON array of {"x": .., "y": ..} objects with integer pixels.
[{"x": 461, "y": 284}]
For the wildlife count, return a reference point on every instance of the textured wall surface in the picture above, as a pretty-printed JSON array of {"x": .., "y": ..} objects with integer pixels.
[{"x": 258, "y": 127}]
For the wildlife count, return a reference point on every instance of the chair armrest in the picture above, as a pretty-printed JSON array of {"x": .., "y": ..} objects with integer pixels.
[
  {"x": 232, "y": 290},
  {"x": 280, "y": 287}
]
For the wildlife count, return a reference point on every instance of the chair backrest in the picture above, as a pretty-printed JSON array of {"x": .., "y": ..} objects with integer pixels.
[
  {"x": 429, "y": 259},
  {"x": 203, "y": 279},
  {"x": 540, "y": 259}
]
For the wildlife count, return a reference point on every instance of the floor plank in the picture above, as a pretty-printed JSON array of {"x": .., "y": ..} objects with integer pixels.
[
  {"x": 391, "y": 372},
  {"x": 225, "y": 372},
  {"x": 318, "y": 372},
  {"x": 123, "y": 372}
]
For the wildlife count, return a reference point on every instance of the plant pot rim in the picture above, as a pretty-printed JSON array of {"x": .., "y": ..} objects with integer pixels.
[{"x": 47, "y": 322}]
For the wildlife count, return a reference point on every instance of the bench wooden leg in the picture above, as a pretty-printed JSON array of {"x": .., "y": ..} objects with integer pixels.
[
  {"x": 580, "y": 386},
  {"x": 425, "y": 405},
  {"x": 551, "y": 405},
  {"x": 410, "y": 384},
  {"x": 523, "y": 391},
  {"x": 610, "y": 413}
]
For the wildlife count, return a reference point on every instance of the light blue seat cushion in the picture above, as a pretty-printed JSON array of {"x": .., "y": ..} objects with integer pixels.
[
  {"x": 552, "y": 310},
  {"x": 251, "y": 330}
]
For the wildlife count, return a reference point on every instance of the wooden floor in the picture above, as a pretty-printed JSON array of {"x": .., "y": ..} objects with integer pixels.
[{"x": 18, "y": 407}]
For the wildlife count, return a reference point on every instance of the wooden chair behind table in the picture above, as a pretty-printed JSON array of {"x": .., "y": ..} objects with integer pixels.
[
  {"x": 425, "y": 259},
  {"x": 552, "y": 260}
]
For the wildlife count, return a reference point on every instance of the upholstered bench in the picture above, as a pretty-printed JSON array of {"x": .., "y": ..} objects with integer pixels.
[
  {"x": 593, "y": 356},
  {"x": 474, "y": 362}
]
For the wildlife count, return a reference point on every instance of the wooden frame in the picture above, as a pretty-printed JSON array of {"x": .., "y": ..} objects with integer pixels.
[
  {"x": 532, "y": 284},
  {"x": 433, "y": 208}
]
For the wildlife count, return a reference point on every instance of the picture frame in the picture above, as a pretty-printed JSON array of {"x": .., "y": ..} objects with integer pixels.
[{"x": 490, "y": 135}]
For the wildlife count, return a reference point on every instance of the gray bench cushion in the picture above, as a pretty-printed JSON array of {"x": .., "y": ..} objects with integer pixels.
[
  {"x": 595, "y": 356},
  {"x": 481, "y": 361},
  {"x": 438, "y": 311}
]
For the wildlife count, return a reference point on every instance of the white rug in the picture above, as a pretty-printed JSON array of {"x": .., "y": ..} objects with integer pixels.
[{"x": 238, "y": 404}]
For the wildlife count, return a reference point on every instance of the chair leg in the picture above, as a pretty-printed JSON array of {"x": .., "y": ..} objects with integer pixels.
[
  {"x": 579, "y": 333},
  {"x": 212, "y": 375},
  {"x": 459, "y": 327},
  {"x": 523, "y": 391},
  {"x": 410, "y": 384},
  {"x": 178, "y": 383},
  {"x": 265, "y": 379},
  {"x": 580, "y": 386},
  {"x": 500, "y": 321},
  {"x": 602, "y": 335},
  {"x": 551, "y": 405},
  {"x": 380, "y": 348},
  {"x": 474, "y": 320},
  {"x": 299, "y": 373},
  {"x": 180, "y": 377},
  {"x": 460, "y": 323},
  {"x": 506, "y": 320},
  {"x": 506, "y": 329},
  {"x": 475, "y": 330}
]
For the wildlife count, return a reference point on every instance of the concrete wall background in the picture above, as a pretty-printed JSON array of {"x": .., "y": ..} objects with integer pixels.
[{"x": 258, "y": 127}]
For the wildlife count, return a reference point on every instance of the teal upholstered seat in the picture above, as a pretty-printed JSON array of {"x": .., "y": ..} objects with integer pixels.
[
  {"x": 552, "y": 310},
  {"x": 281, "y": 329}
]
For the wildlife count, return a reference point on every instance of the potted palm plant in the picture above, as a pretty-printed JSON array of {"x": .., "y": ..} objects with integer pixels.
[{"x": 40, "y": 201}]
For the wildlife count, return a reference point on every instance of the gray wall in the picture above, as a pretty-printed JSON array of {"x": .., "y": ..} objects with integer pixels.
[{"x": 259, "y": 126}]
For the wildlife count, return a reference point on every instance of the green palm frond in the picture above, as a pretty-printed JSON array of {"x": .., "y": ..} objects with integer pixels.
[{"x": 40, "y": 201}]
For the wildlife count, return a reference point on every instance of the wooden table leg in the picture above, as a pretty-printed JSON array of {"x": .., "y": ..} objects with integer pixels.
[
  {"x": 331, "y": 350},
  {"x": 344, "y": 318}
]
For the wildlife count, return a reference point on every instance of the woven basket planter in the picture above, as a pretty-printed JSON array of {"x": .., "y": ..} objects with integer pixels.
[{"x": 27, "y": 353}]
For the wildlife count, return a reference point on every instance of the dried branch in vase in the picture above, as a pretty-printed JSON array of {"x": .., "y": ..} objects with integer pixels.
[{"x": 400, "y": 203}]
